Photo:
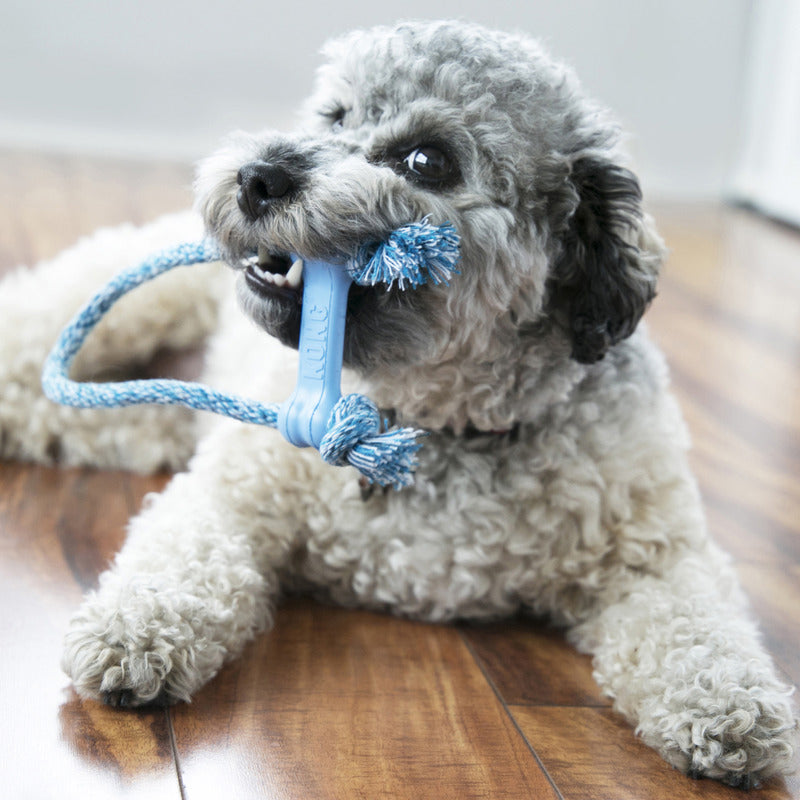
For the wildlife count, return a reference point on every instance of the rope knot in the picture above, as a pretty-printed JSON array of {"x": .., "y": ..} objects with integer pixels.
[
  {"x": 353, "y": 419},
  {"x": 354, "y": 437}
]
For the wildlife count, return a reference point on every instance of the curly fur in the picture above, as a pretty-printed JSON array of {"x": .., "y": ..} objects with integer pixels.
[{"x": 554, "y": 478}]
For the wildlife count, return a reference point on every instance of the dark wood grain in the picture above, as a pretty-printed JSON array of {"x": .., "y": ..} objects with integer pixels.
[
  {"x": 532, "y": 664},
  {"x": 57, "y": 529},
  {"x": 347, "y": 704},
  {"x": 591, "y": 755}
]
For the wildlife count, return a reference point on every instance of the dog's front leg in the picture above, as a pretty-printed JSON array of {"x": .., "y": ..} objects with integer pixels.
[
  {"x": 683, "y": 661},
  {"x": 195, "y": 579}
]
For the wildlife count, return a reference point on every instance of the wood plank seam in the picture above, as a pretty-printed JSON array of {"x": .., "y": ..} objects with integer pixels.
[
  {"x": 500, "y": 699},
  {"x": 176, "y": 759}
]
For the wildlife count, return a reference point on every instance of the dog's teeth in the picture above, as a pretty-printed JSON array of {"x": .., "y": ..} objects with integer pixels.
[
  {"x": 295, "y": 275},
  {"x": 263, "y": 254}
]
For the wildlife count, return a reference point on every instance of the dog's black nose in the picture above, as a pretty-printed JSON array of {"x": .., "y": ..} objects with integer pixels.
[{"x": 261, "y": 183}]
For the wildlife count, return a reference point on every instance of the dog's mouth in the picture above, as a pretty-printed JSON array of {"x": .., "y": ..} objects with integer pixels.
[
  {"x": 268, "y": 273},
  {"x": 271, "y": 293}
]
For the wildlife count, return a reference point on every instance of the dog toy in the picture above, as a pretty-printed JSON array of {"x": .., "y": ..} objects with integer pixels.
[{"x": 344, "y": 429}]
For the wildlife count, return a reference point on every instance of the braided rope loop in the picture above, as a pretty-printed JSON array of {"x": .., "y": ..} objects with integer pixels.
[{"x": 55, "y": 376}]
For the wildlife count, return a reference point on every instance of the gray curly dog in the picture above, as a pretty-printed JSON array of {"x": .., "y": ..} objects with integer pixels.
[{"x": 554, "y": 479}]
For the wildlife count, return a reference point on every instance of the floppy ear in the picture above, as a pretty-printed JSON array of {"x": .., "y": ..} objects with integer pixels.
[{"x": 605, "y": 274}]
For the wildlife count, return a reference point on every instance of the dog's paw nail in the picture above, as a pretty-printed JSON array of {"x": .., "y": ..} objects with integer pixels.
[{"x": 122, "y": 698}]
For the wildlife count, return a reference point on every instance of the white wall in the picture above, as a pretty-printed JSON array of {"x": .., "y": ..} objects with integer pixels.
[
  {"x": 169, "y": 77},
  {"x": 768, "y": 173}
]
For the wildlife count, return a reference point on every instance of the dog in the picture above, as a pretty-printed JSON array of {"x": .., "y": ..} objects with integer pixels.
[{"x": 554, "y": 477}]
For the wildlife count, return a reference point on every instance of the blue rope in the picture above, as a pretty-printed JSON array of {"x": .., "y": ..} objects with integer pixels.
[{"x": 411, "y": 255}]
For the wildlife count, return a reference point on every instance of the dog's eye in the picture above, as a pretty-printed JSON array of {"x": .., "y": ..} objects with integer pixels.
[
  {"x": 337, "y": 119},
  {"x": 334, "y": 117},
  {"x": 429, "y": 163}
]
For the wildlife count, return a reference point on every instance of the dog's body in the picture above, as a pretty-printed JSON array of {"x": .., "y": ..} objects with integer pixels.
[{"x": 554, "y": 478}]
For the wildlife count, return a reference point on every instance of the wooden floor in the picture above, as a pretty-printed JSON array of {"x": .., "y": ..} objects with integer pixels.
[{"x": 342, "y": 704}]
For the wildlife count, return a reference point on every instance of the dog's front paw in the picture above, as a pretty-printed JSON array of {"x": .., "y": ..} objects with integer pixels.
[
  {"x": 140, "y": 646},
  {"x": 732, "y": 722}
]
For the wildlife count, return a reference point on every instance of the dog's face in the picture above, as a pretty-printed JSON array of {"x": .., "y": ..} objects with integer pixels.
[{"x": 466, "y": 126}]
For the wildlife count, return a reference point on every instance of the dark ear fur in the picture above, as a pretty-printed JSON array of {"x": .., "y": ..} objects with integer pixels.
[{"x": 602, "y": 282}]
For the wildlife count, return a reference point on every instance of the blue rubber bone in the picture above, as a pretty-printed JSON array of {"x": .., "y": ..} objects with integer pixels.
[
  {"x": 303, "y": 418},
  {"x": 411, "y": 256},
  {"x": 347, "y": 430}
]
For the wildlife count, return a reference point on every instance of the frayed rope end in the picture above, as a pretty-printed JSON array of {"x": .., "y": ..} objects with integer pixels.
[{"x": 412, "y": 256}]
